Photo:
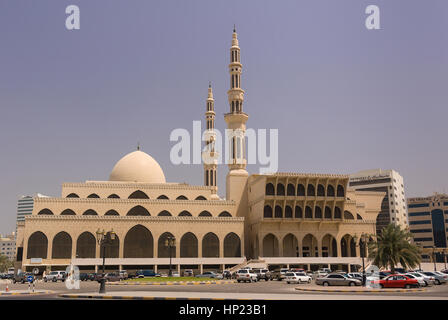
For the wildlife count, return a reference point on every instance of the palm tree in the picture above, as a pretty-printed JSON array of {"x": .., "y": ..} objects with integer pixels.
[
  {"x": 394, "y": 246},
  {"x": 5, "y": 263}
]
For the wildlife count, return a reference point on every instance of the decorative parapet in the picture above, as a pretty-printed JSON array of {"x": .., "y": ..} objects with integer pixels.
[
  {"x": 136, "y": 185},
  {"x": 305, "y": 175},
  {"x": 133, "y": 218}
]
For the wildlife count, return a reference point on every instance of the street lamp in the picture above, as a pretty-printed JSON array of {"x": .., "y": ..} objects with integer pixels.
[
  {"x": 362, "y": 247},
  {"x": 420, "y": 247},
  {"x": 104, "y": 239},
  {"x": 170, "y": 242},
  {"x": 434, "y": 257},
  {"x": 444, "y": 256}
]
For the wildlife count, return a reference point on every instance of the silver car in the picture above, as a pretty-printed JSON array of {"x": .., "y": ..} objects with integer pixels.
[
  {"x": 437, "y": 277},
  {"x": 337, "y": 279},
  {"x": 427, "y": 280}
]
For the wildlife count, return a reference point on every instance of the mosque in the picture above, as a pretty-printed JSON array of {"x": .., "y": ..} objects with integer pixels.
[{"x": 293, "y": 219}]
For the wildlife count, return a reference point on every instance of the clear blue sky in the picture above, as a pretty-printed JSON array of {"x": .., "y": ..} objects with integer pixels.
[{"x": 343, "y": 98}]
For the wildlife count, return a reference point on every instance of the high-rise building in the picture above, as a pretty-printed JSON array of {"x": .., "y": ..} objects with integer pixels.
[
  {"x": 428, "y": 222},
  {"x": 8, "y": 246},
  {"x": 393, "y": 207}
]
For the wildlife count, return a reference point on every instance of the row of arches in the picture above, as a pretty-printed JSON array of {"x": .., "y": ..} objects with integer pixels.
[
  {"x": 135, "y": 195},
  {"x": 138, "y": 243},
  {"x": 329, "y": 247},
  {"x": 135, "y": 211},
  {"x": 292, "y": 190},
  {"x": 299, "y": 213}
]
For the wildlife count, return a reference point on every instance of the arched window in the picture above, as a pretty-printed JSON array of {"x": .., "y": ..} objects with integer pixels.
[
  {"x": 280, "y": 189},
  {"x": 267, "y": 212},
  {"x": 318, "y": 212},
  {"x": 181, "y": 198},
  {"x": 278, "y": 212},
  {"x": 164, "y": 213},
  {"x": 308, "y": 212},
  {"x": 210, "y": 246},
  {"x": 185, "y": 214},
  {"x": 330, "y": 191},
  {"x": 37, "y": 246},
  {"x": 162, "y": 197},
  {"x": 68, "y": 212},
  {"x": 310, "y": 190},
  {"x": 163, "y": 251},
  {"x": 290, "y": 190},
  {"x": 45, "y": 212},
  {"x": 93, "y": 195},
  {"x": 348, "y": 215},
  {"x": 90, "y": 212},
  {"x": 138, "y": 195},
  {"x": 138, "y": 243},
  {"x": 86, "y": 245},
  {"x": 232, "y": 245},
  {"x": 270, "y": 189},
  {"x": 290, "y": 246},
  {"x": 189, "y": 246},
  {"x": 200, "y": 198},
  {"x": 288, "y": 212},
  {"x": 138, "y": 211},
  {"x": 224, "y": 214},
  {"x": 320, "y": 190},
  {"x": 205, "y": 214},
  {"x": 113, "y": 196},
  {"x": 298, "y": 212},
  {"x": 358, "y": 216},
  {"x": 337, "y": 213},
  {"x": 340, "y": 192},
  {"x": 309, "y": 246},
  {"x": 344, "y": 248},
  {"x": 111, "y": 213},
  {"x": 270, "y": 246},
  {"x": 300, "y": 190},
  {"x": 327, "y": 213},
  {"x": 72, "y": 195}
]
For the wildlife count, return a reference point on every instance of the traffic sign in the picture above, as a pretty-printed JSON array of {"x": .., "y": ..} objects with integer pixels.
[{"x": 30, "y": 278}]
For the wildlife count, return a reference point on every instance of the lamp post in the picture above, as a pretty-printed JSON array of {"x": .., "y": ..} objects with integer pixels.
[
  {"x": 170, "y": 242},
  {"x": 362, "y": 246},
  {"x": 434, "y": 257},
  {"x": 420, "y": 247},
  {"x": 444, "y": 257},
  {"x": 104, "y": 238}
]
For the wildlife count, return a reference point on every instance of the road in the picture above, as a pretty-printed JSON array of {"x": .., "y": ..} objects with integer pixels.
[{"x": 267, "y": 290}]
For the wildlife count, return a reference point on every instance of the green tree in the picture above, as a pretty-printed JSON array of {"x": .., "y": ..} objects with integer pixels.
[
  {"x": 394, "y": 246},
  {"x": 5, "y": 263}
]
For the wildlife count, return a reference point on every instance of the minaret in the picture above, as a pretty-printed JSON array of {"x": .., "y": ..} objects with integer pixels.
[
  {"x": 236, "y": 124},
  {"x": 209, "y": 155}
]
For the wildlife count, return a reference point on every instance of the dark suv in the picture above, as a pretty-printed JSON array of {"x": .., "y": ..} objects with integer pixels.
[
  {"x": 146, "y": 273},
  {"x": 22, "y": 277}
]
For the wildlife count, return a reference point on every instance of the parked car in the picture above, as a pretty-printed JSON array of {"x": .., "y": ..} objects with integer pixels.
[
  {"x": 22, "y": 277},
  {"x": 175, "y": 274},
  {"x": 55, "y": 276},
  {"x": 123, "y": 274},
  {"x": 355, "y": 275},
  {"x": 112, "y": 277},
  {"x": 279, "y": 274},
  {"x": 444, "y": 275},
  {"x": 83, "y": 277},
  {"x": 146, "y": 273},
  {"x": 438, "y": 279},
  {"x": 337, "y": 279},
  {"x": 297, "y": 277},
  {"x": 429, "y": 280},
  {"x": 397, "y": 281},
  {"x": 188, "y": 273},
  {"x": 324, "y": 270},
  {"x": 226, "y": 274},
  {"x": 246, "y": 276},
  {"x": 384, "y": 274},
  {"x": 419, "y": 278},
  {"x": 263, "y": 274},
  {"x": 207, "y": 274},
  {"x": 400, "y": 271}
]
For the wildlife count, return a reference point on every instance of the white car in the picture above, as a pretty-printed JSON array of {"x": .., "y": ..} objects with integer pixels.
[
  {"x": 418, "y": 277},
  {"x": 444, "y": 275},
  {"x": 429, "y": 281},
  {"x": 297, "y": 277},
  {"x": 175, "y": 274},
  {"x": 246, "y": 276}
]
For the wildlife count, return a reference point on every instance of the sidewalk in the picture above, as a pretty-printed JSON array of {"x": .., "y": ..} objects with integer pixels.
[
  {"x": 316, "y": 288},
  {"x": 24, "y": 292},
  {"x": 169, "y": 283}
]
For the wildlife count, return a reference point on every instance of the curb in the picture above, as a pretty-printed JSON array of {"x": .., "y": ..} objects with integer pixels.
[
  {"x": 362, "y": 291},
  {"x": 106, "y": 297},
  {"x": 24, "y": 293},
  {"x": 179, "y": 283}
]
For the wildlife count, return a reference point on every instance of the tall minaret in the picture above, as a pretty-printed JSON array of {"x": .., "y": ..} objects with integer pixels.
[
  {"x": 209, "y": 155},
  {"x": 236, "y": 123}
]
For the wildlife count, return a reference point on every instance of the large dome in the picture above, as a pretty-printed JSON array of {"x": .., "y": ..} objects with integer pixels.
[{"x": 137, "y": 166}]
